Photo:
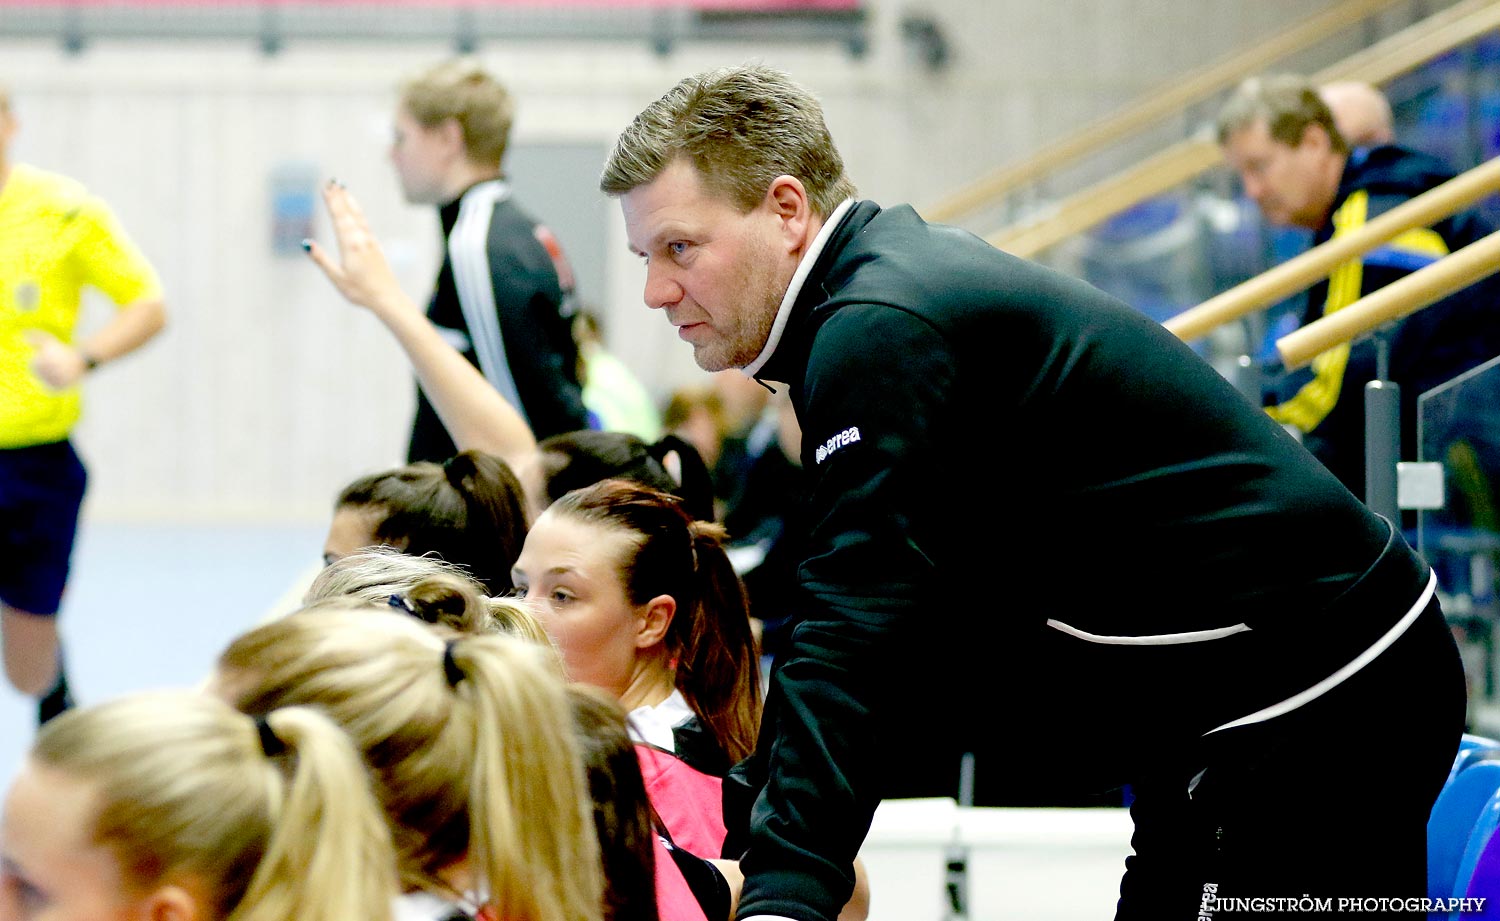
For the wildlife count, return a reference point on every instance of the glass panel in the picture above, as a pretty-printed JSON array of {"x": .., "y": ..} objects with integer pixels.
[{"x": 1458, "y": 426}]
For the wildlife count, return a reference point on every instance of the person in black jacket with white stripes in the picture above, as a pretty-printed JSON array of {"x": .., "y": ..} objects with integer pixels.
[
  {"x": 504, "y": 295},
  {"x": 1146, "y": 561}
]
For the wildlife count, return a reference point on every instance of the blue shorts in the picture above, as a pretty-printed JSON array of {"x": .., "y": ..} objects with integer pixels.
[{"x": 41, "y": 491}]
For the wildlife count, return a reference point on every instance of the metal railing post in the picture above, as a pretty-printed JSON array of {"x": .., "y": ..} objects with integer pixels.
[
  {"x": 956, "y": 875},
  {"x": 1382, "y": 434}
]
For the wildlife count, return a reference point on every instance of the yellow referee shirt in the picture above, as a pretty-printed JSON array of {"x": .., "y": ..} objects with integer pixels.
[{"x": 55, "y": 238}]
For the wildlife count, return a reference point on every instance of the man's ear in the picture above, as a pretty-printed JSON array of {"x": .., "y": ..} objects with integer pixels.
[
  {"x": 787, "y": 200},
  {"x": 1315, "y": 135},
  {"x": 452, "y": 134},
  {"x": 656, "y": 618},
  {"x": 172, "y": 903}
]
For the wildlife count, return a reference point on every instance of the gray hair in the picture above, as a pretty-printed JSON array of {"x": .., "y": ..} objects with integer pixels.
[{"x": 1286, "y": 103}]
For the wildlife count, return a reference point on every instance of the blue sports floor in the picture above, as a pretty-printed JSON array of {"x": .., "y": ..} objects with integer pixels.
[{"x": 151, "y": 605}]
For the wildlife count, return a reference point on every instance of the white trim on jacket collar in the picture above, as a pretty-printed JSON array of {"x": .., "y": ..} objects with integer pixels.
[
  {"x": 804, "y": 267},
  {"x": 496, "y": 186}
]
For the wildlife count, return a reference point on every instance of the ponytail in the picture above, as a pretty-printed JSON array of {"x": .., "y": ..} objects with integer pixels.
[
  {"x": 577, "y": 460},
  {"x": 695, "y": 483},
  {"x": 329, "y": 854},
  {"x": 469, "y": 511},
  {"x": 429, "y": 588},
  {"x": 531, "y": 831},
  {"x": 275, "y": 820},
  {"x": 467, "y": 739},
  {"x": 718, "y": 666},
  {"x": 496, "y": 507},
  {"x": 446, "y": 603}
]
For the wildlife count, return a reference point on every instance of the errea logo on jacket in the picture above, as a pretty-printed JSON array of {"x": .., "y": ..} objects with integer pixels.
[{"x": 847, "y": 436}]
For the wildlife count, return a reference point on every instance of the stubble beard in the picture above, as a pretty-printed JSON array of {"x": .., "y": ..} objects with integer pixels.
[
  {"x": 763, "y": 286},
  {"x": 744, "y": 343}
]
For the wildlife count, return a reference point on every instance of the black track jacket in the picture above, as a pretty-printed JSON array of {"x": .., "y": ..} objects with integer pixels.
[
  {"x": 500, "y": 301},
  {"x": 1027, "y": 501}
]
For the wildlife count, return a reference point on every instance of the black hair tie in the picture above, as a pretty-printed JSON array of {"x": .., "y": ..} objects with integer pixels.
[
  {"x": 270, "y": 742},
  {"x": 454, "y": 473},
  {"x": 451, "y": 671}
]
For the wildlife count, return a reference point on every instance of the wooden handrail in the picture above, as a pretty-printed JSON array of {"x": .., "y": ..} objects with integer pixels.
[
  {"x": 1152, "y": 176},
  {"x": 1377, "y": 64},
  {"x": 1398, "y": 299},
  {"x": 1157, "y": 105},
  {"x": 1319, "y": 262},
  {"x": 1439, "y": 33}
]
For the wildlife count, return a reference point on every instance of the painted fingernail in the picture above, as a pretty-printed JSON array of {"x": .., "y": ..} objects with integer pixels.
[{"x": 307, "y": 246}]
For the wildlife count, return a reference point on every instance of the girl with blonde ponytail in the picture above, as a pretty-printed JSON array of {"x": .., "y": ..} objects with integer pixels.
[
  {"x": 469, "y": 740},
  {"x": 173, "y": 806},
  {"x": 426, "y": 587}
]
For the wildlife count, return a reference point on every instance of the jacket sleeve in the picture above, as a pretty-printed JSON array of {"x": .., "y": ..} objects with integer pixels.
[
  {"x": 879, "y": 383},
  {"x": 538, "y": 340}
]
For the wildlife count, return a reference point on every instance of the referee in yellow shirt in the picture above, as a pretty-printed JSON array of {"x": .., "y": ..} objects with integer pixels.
[{"x": 55, "y": 239}]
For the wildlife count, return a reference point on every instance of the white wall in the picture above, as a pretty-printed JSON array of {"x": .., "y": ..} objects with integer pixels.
[{"x": 267, "y": 393}]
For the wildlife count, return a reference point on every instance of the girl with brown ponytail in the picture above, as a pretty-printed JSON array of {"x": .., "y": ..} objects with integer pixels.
[
  {"x": 573, "y": 460},
  {"x": 469, "y": 510},
  {"x": 643, "y": 602}
]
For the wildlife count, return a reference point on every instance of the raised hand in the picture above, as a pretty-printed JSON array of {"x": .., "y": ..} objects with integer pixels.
[{"x": 360, "y": 272}]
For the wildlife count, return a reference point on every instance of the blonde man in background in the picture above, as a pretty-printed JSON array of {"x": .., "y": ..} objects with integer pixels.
[{"x": 504, "y": 294}]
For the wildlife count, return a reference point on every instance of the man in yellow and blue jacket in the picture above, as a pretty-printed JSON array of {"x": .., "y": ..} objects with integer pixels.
[{"x": 1281, "y": 137}]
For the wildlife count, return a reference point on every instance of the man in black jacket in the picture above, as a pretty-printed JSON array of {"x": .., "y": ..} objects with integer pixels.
[
  {"x": 503, "y": 294},
  {"x": 1281, "y": 137},
  {"x": 1117, "y": 571}
]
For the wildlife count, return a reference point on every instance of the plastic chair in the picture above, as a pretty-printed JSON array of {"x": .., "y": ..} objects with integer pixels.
[
  {"x": 1485, "y": 881},
  {"x": 1480, "y": 838},
  {"x": 1455, "y": 815},
  {"x": 1469, "y": 740},
  {"x": 1473, "y": 749}
]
